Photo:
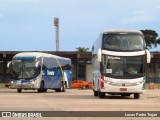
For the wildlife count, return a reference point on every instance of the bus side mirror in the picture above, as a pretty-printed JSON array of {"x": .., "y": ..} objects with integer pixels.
[
  {"x": 148, "y": 56},
  {"x": 37, "y": 64},
  {"x": 9, "y": 64}
]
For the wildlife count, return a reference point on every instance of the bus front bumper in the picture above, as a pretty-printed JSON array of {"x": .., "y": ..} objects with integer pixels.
[
  {"x": 23, "y": 86},
  {"x": 122, "y": 89}
]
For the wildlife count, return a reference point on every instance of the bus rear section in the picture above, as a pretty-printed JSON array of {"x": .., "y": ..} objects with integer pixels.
[{"x": 56, "y": 73}]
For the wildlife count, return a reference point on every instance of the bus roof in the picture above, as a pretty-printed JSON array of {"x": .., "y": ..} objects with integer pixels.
[
  {"x": 39, "y": 54},
  {"x": 121, "y": 31}
]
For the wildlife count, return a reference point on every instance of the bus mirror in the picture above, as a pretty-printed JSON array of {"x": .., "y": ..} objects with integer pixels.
[
  {"x": 148, "y": 56},
  {"x": 37, "y": 64},
  {"x": 9, "y": 64}
]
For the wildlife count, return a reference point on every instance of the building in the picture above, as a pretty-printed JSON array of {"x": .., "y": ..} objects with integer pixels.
[
  {"x": 81, "y": 65},
  {"x": 153, "y": 69}
]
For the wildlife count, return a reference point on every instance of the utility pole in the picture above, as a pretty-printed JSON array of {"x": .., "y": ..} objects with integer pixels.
[{"x": 56, "y": 24}]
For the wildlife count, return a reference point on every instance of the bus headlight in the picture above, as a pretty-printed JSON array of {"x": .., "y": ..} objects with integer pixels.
[{"x": 32, "y": 82}]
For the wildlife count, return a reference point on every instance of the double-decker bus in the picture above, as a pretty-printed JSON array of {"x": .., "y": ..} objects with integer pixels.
[
  {"x": 40, "y": 71},
  {"x": 119, "y": 58}
]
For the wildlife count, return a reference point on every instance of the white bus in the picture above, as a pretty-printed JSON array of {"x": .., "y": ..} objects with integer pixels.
[
  {"x": 40, "y": 71},
  {"x": 119, "y": 58}
]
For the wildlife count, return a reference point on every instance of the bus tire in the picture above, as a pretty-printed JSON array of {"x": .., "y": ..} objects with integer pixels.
[
  {"x": 136, "y": 95},
  {"x": 44, "y": 90},
  {"x": 62, "y": 89},
  {"x": 41, "y": 89},
  {"x": 19, "y": 90},
  {"x": 57, "y": 90},
  {"x": 95, "y": 93},
  {"x": 101, "y": 94}
]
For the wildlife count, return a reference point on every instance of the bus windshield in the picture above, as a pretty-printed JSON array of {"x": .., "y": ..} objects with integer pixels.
[
  {"x": 123, "y": 67},
  {"x": 24, "y": 69},
  {"x": 123, "y": 42}
]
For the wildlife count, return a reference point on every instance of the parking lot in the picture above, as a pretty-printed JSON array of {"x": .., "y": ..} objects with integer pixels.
[{"x": 77, "y": 100}]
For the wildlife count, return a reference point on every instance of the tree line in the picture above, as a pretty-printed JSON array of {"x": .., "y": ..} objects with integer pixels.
[{"x": 151, "y": 38}]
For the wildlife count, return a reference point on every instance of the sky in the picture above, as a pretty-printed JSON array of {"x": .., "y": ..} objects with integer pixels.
[{"x": 27, "y": 25}]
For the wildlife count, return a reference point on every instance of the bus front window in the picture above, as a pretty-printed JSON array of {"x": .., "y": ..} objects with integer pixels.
[
  {"x": 24, "y": 69},
  {"x": 123, "y": 42},
  {"x": 123, "y": 67}
]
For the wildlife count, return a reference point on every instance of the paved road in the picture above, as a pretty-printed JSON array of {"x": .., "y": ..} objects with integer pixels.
[{"x": 76, "y": 100}]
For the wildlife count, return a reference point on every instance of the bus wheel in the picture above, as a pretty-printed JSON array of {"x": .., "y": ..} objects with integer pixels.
[
  {"x": 95, "y": 93},
  {"x": 136, "y": 96},
  {"x": 62, "y": 89},
  {"x": 41, "y": 89},
  {"x": 44, "y": 90},
  {"x": 101, "y": 94},
  {"x": 19, "y": 90}
]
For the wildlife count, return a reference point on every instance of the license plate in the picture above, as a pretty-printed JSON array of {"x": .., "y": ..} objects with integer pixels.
[{"x": 123, "y": 89}]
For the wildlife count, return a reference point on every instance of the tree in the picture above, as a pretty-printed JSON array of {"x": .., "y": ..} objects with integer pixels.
[
  {"x": 151, "y": 38},
  {"x": 82, "y": 49}
]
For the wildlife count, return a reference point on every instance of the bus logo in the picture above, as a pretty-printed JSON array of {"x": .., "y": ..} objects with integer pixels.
[{"x": 6, "y": 114}]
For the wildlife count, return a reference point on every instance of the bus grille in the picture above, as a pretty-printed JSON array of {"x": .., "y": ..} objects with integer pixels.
[{"x": 123, "y": 84}]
